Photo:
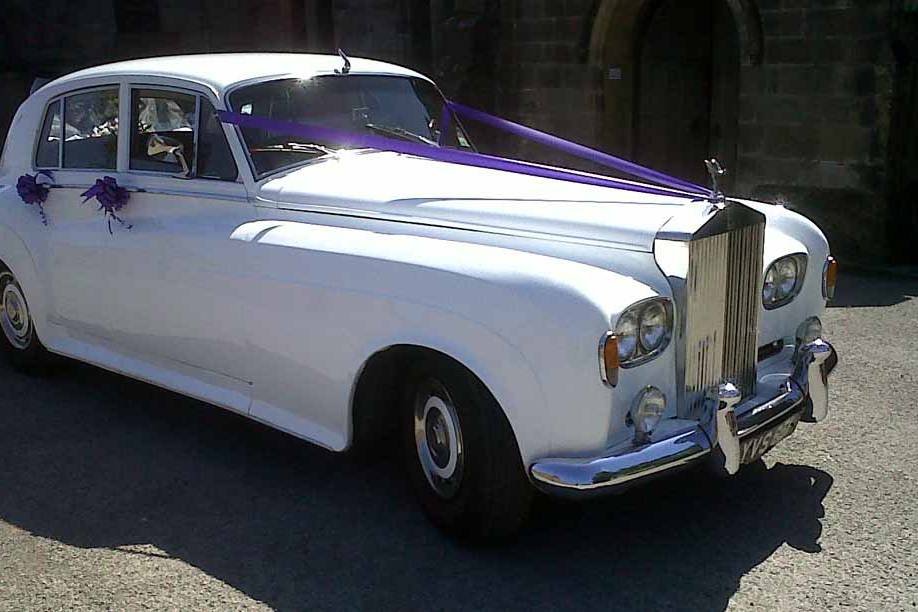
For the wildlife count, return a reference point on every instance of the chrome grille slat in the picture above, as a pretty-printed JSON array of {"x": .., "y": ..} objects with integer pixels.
[{"x": 721, "y": 312}]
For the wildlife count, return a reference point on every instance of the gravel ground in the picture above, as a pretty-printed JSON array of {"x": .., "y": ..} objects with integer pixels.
[{"x": 118, "y": 495}]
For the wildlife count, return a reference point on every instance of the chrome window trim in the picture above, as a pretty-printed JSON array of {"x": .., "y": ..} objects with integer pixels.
[
  {"x": 639, "y": 306},
  {"x": 802, "y": 264}
]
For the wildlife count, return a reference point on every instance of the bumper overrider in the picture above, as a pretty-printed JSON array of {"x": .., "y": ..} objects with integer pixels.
[{"x": 731, "y": 434}]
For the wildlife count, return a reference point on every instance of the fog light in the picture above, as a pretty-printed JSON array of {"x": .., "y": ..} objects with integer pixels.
[
  {"x": 809, "y": 330},
  {"x": 648, "y": 409}
]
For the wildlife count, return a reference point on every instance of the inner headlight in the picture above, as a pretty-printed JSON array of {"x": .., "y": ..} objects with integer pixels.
[
  {"x": 653, "y": 326},
  {"x": 783, "y": 280},
  {"x": 643, "y": 331}
]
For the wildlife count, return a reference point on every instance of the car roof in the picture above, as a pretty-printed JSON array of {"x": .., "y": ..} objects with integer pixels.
[{"x": 220, "y": 71}]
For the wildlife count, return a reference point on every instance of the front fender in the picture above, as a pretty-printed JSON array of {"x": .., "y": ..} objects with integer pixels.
[{"x": 527, "y": 325}]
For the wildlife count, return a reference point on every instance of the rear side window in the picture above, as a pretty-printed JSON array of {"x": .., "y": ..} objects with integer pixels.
[
  {"x": 91, "y": 129},
  {"x": 47, "y": 155}
]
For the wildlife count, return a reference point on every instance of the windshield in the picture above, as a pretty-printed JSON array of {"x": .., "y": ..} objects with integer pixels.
[{"x": 391, "y": 106}]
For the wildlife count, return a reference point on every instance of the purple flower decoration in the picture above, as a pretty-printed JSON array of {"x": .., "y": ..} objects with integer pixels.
[
  {"x": 111, "y": 198},
  {"x": 33, "y": 192}
]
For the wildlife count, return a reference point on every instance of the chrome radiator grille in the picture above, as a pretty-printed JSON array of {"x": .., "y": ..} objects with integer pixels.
[{"x": 722, "y": 294}]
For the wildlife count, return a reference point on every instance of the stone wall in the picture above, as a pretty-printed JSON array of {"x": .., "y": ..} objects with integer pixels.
[
  {"x": 814, "y": 117},
  {"x": 814, "y": 109},
  {"x": 543, "y": 78}
]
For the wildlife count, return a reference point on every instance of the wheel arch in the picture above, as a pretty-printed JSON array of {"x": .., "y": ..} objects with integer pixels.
[
  {"x": 16, "y": 257},
  {"x": 379, "y": 384}
]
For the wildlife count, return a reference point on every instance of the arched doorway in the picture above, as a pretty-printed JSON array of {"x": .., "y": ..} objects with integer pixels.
[
  {"x": 671, "y": 79},
  {"x": 687, "y": 88}
]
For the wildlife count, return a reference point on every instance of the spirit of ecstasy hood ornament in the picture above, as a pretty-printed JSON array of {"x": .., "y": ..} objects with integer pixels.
[
  {"x": 347, "y": 63},
  {"x": 716, "y": 171}
]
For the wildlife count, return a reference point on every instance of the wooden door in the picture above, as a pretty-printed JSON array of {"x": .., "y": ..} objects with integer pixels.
[{"x": 687, "y": 88}]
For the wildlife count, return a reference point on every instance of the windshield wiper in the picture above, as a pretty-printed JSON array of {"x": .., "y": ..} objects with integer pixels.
[
  {"x": 399, "y": 133},
  {"x": 298, "y": 147}
]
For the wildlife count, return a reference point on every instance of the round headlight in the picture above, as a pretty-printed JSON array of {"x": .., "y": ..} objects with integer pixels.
[
  {"x": 653, "y": 326},
  {"x": 643, "y": 331},
  {"x": 786, "y": 270},
  {"x": 627, "y": 333},
  {"x": 783, "y": 280}
]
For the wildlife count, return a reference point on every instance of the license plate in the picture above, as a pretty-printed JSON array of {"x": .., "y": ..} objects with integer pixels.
[{"x": 758, "y": 444}]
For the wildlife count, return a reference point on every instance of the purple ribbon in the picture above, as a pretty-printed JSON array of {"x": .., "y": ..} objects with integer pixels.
[
  {"x": 578, "y": 150},
  {"x": 111, "y": 198},
  {"x": 33, "y": 192},
  {"x": 672, "y": 187}
]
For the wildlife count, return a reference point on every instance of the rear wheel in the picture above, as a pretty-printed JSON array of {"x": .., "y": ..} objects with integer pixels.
[
  {"x": 20, "y": 341},
  {"x": 462, "y": 456}
]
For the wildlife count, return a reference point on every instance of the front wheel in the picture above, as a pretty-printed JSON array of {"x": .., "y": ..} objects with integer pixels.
[
  {"x": 20, "y": 341},
  {"x": 463, "y": 459}
]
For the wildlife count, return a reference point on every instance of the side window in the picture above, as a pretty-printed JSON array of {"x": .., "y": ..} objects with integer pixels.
[
  {"x": 91, "y": 130},
  {"x": 162, "y": 130},
  {"x": 215, "y": 160},
  {"x": 47, "y": 155}
]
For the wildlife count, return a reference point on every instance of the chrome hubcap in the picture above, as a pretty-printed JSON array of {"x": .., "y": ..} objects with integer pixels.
[
  {"x": 14, "y": 316},
  {"x": 438, "y": 438}
]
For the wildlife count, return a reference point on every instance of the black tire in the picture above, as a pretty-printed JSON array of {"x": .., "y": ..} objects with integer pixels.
[
  {"x": 490, "y": 496},
  {"x": 18, "y": 339}
]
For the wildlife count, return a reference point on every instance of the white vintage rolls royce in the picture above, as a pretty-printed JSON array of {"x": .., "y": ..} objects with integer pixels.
[{"x": 513, "y": 329}]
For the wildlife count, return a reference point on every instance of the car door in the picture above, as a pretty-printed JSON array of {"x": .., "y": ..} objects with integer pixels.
[
  {"x": 78, "y": 143},
  {"x": 163, "y": 285},
  {"x": 182, "y": 275}
]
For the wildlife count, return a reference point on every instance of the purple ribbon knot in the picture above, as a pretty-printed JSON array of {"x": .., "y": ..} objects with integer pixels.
[
  {"x": 33, "y": 192},
  {"x": 111, "y": 199}
]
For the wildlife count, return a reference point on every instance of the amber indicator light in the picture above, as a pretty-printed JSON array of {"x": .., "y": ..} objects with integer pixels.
[
  {"x": 831, "y": 277},
  {"x": 610, "y": 359}
]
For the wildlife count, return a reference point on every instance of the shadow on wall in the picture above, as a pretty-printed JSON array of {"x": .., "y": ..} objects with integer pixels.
[{"x": 93, "y": 460}]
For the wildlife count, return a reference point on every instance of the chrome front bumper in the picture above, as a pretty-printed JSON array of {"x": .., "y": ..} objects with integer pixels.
[{"x": 724, "y": 436}]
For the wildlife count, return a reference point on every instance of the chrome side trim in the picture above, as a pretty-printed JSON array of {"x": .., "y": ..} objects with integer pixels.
[
  {"x": 357, "y": 213},
  {"x": 160, "y": 191}
]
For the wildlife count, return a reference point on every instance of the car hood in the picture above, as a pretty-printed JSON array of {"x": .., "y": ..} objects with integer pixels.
[{"x": 412, "y": 189}]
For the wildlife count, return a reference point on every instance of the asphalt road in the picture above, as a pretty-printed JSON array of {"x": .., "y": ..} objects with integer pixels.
[{"x": 118, "y": 495}]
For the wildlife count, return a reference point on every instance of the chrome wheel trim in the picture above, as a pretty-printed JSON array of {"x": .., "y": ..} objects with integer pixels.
[
  {"x": 438, "y": 438},
  {"x": 14, "y": 313}
]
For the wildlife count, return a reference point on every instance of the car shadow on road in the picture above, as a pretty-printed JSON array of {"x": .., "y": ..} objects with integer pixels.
[
  {"x": 92, "y": 460},
  {"x": 867, "y": 289}
]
